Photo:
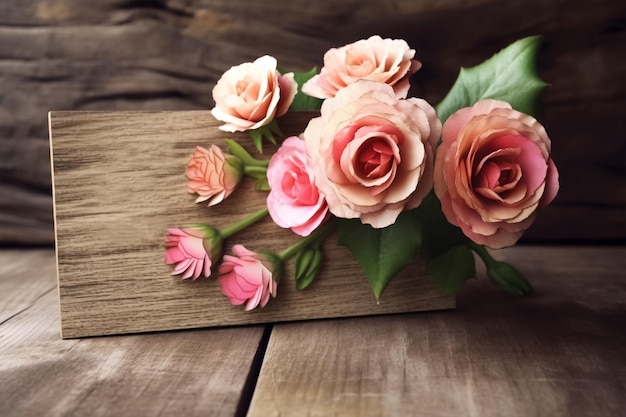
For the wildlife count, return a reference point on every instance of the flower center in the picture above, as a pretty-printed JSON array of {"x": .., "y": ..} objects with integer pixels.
[
  {"x": 375, "y": 158},
  {"x": 297, "y": 185},
  {"x": 497, "y": 178},
  {"x": 247, "y": 90},
  {"x": 358, "y": 64}
]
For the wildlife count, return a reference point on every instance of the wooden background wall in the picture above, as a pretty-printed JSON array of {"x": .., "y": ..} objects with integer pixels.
[{"x": 167, "y": 54}]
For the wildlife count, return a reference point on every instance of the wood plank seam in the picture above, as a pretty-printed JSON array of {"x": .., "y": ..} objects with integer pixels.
[
  {"x": 253, "y": 375},
  {"x": 28, "y": 307}
]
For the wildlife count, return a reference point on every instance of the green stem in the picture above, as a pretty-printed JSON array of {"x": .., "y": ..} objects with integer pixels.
[
  {"x": 313, "y": 239},
  {"x": 242, "y": 224},
  {"x": 255, "y": 171},
  {"x": 248, "y": 160},
  {"x": 483, "y": 254},
  {"x": 264, "y": 163}
]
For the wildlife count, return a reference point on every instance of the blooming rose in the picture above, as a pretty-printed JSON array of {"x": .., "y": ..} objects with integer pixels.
[
  {"x": 388, "y": 61},
  {"x": 212, "y": 174},
  {"x": 373, "y": 154},
  {"x": 247, "y": 278},
  {"x": 192, "y": 250},
  {"x": 294, "y": 201},
  {"x": 250, "y": 95},
  {"x": 493, "y": 169}
]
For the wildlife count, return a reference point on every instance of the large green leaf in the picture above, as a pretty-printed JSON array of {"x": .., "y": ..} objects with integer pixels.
[
  {"x": 510, "y": 75},
  {"x": 445, "y": 248},
  {"x": 438, "y": 236},
  {"x": 452, "y": 268},
  {"x": 382, "y": 253}
]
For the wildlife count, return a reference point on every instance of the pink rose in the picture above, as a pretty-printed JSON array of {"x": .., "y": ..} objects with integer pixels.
[
  {"x": 493, "y": 170},
  {"x": 388, "y": 61},
  {"x": 294, "y": 201},
  {"x": 247, "y": 278},
  {"x": 192, "y": 250},
  {"x": 212, "y": 174},
  {"x": 250, "y": 95},
  {"x": 373, "y": 154}
]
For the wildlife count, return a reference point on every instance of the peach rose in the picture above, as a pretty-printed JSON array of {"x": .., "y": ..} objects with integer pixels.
[
  {"x": 389, "y": 61},
  {"x": 493, "y": 170},
  {"x": 247, "y": 278},
  {"x": 250, "y": 95},
  {"x": 373, "y": 154},
  {"x": 294, "y": 201},
  {"x": 212, "y": 174}
]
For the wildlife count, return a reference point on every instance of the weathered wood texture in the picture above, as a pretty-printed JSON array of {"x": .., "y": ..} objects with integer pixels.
[
  {"x": 164, "y": 55},
  {"x": 119, "y": 184},
  {"x": 194, "y": 373},
  {"x": 557, "y": 353}
]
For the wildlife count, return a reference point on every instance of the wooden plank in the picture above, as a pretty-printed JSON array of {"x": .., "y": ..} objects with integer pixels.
[
  {"x": 119, "y": 183},
  {"x": 195, "y": 373},
  {"x": 78, "y": 55},
  {"x": 21, "y": 282},
  {"x": 557, "y": 353}
]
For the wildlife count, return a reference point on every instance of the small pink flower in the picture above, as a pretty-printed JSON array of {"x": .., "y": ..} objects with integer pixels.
[
  {"x": 389, "y": 61},
  {"x": 250, "y": 95},
  {"x": 493, "y": 170},
  {"x": 212, "y": 174},
  {"x": 192, "y": 250},
  {"x": 372, "y": 153},
  {"x": 294, "y": 200},
  {"x": 248, "y": 278}
]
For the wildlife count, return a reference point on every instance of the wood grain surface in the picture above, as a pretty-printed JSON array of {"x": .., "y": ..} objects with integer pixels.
[
  {"x": 557, "y": 353},
  {"x": 168, "y": 54},
  {"x": 119, "y": 183},
  {"x": 168, "y": 374}
]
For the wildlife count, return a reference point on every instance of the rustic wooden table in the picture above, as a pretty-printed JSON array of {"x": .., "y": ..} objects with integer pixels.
[{"x": 560, "y": 352}]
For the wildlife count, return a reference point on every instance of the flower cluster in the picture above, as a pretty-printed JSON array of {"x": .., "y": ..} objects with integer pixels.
[{"x": 373, "y": 159}]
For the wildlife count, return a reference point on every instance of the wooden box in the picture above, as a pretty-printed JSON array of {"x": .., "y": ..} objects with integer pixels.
[{"x": 118, "y": 180}]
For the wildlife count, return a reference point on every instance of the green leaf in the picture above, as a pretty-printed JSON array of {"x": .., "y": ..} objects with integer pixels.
[
  {"x": 510, "y": 75},
  {"x": 382, "y": 253},
  {"x": 438, "y": 236},
  {"x": 262, "y": 184},
  {"x": 444, "y": 246},
  {"x": 451, "y": 269},
  {"x": 301, "y": 101},
  {"x": 268, "y": 131}
]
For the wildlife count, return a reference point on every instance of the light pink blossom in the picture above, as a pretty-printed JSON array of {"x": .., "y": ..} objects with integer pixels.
[
  {"x": 493, "y": 170},
  {"x": 373, "y": 154},
  {"x": 294, "y": 200},
  {"x": 250, "y": 95},
  {"x": 248, "y": 278},
  {"x": 212, "y": 174},
  {"x": 192, "y": 250},
  {"x": 389, "y": 61}
]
